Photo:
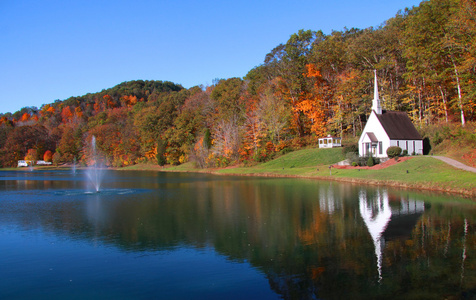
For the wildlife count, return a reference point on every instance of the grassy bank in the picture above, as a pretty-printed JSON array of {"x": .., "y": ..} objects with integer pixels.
[{"x": 424, "y": 172}]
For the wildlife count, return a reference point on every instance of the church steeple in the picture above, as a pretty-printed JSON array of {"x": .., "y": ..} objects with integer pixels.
[{"x": 376, "y": 102}]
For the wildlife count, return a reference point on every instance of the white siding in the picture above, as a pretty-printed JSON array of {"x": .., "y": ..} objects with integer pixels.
[
  {"x": 373, "y": 125},
  {"x": 329, "y": 142},
  {"x": 418, "y": 149}
]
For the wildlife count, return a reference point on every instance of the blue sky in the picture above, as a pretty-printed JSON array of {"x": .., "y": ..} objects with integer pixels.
[{"x": 55, "y": 49}]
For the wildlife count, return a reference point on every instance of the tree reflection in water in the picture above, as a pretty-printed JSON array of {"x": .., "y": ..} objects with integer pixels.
[{"x": 310, "y": 239}]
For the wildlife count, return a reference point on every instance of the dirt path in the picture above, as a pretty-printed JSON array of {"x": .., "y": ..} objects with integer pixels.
[{"x": 455, "y": 163}]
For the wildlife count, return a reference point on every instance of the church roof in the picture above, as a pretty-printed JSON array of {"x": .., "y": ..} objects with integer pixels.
[
  {"x": 398, "y": 125},
  {"x": 372, "y": 137}
]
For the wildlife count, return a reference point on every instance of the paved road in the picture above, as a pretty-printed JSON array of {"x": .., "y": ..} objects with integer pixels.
[{"x": 455, "y": 163}]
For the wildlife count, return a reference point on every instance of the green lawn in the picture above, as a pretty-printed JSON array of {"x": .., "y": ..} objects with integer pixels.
[
  {"x": 423, "y": 171},
  {"x": 302, "y": 162}
]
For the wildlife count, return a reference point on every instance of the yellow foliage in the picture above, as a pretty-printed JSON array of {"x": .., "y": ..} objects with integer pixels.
[
  {"x": 151, "y": 154},
  {"x": 183, "y": 158}
]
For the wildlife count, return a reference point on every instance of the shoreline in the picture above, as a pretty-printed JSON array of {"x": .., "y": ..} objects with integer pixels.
[
  {"x": 373, "y": 182},
  {"x": 469, "y": 193}
]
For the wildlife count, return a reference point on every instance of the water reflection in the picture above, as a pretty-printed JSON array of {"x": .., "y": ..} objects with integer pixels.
[
  {"x": 377, "y": 214},
  {"x": 308, "y": 239},
  {"x": 327, "y": 199}
]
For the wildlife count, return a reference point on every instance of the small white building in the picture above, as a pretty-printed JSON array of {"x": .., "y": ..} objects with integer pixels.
[
  {"x": 22, "y": 163},
  {"x": 330, "y": 142},
  {"x": 388, "y": 128}
]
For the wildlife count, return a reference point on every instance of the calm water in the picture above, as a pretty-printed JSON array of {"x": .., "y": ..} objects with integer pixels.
[{"x": 154, "y": 235}]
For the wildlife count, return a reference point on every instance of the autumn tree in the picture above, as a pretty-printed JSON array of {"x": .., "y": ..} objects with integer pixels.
[
  {"x": 227, "y": 140},
  {"x": 48, "y": 156},
  {"x": 71, "y": 142},
  {"x": 228, "y": 96},
  {"x": 153, "y": 120},
  {"x": 229, "y": 118},
  {"x": 274, "y": 114},
  {"x": 23, "y": 138},
  {"x": 31, "y": 156},
  {"x": 116, "y": 137},
  {"x": 289, "y": 64},
  {"x": 56, "y": 159}
]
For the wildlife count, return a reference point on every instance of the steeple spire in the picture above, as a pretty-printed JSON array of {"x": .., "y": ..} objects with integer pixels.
[{"x": 376, "y": 102}]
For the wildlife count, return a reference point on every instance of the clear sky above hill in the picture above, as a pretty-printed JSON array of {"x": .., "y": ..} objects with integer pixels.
[{"x": 55, "y": 49}]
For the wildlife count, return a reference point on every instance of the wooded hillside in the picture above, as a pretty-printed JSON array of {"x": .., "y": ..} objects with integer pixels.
[{"x": 312, "y": 85}]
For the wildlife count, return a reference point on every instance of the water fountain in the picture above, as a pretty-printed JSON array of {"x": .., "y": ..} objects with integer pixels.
[
  {"x": 73, "y": 169},
  {"x": 92, "y": 177},
  {"x": 95, "y": 171}
]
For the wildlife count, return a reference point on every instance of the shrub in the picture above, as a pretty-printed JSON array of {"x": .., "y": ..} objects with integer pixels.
[
  {"x": 370, "y": 162},
  {"x": 393, "y": 151},
  {"x": 352, "y": 158},
  {"x": 285, "y": 150},
  {"x": 405, "y": 153},
  {"x": 354, "y": 148}
]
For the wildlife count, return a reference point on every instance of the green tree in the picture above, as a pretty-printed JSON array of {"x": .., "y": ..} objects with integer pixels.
[
  {"x": 207, "y": 139},
  {"x": 228, "y": 96},
  {"x": 161, "y": 149}
]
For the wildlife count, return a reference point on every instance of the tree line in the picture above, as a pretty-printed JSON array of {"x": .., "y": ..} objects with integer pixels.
[{"x": 310, "y": 86}]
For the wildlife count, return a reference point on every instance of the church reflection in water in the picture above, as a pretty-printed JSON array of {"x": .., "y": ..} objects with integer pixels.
[{"x": 385, "y": 222}]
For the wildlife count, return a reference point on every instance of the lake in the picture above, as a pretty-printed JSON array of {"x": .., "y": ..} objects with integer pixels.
[{"x": 153, "y": 235}]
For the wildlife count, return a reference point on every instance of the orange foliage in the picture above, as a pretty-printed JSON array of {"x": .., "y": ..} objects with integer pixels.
[
  {"x": 78, "y": 111},
  {"x": 98, "y": 106},
  {"x": 25, "y": 117},
  {"x": 199, "y": 144},
  {"x": 312, "y": 71},
  {"x": 66, "y": 114},
  {"x": 48, "y": 156},
  {"x": 129, "y": 100},
  {"x": 110, "y": 103},
  {"x": 45, "y": 110},
  {"x": 151, "y": 154},
  {"x": 312, "y": 109},
  {"x": 311, "y": 104}
]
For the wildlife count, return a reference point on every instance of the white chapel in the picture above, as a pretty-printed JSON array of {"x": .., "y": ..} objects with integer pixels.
[{"x": 388, "y": 128}]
